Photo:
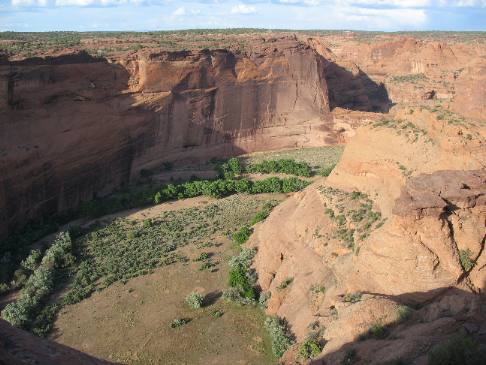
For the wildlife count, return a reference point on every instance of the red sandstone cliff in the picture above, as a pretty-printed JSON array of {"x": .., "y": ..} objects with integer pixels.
[{"x": 73, "y": 127}]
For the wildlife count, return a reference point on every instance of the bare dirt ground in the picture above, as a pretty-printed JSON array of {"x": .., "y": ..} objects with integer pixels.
[{"x": 130, "y": 323}]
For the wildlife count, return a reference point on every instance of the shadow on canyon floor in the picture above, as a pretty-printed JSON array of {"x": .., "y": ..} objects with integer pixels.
[
  {"x": 18, "y": 347},
  {"x": 355, "y": 91},
  {"x": 434, "y": 321}
]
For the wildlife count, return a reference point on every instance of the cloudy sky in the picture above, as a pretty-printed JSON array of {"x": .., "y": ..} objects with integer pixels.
[{"x": 85, "y": 15}]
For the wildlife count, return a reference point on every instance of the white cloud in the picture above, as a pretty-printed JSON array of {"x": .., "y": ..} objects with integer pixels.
[
  {"x": 387, "y": 18},
  {"x": 179, "y": 11},
  {"x": 243, "y": 9},
  {"x": 392, "y": 3},
  {"x": 29, "y": 2},
  {"x": 463, "y": 3}
]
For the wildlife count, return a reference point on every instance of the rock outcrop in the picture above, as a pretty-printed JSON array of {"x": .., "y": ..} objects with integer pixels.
[{"x": 400, "y": 221}]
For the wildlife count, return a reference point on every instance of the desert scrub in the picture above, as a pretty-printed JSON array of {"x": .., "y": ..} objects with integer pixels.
[
  {"x": 317, "y": 288},
  {"x": 242, "y": 235},
  {"x": 403, "y": 313},
  {"x": 458, "y": 350},
  {"x": 465, "y": 258},
  {"x": 285, "y": 283},
  {"x": 412, "y": 78},
  {"x": 23, "y": 312},
  {"x": 194, "y": 300},
  {"x": 265, "y": 212},
  {"x": 32, "y": 261},
  {"x": 241, "y": 279},
  {"x": 376, "y": 331},
  {"x": 353, "y": 215},
  {"x": 309, "y": 349},
  {"x": 352, "y": 297},
  {"x": 179, "y": 322},
  {"x": 402, "y": 127},
  {"x": 280, "y": 335}
]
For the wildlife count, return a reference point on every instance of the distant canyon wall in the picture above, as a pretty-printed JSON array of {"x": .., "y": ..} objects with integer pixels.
[{"x": 74, "y": 127}]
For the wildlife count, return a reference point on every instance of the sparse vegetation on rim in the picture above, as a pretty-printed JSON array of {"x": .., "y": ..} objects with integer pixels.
[
  {"x": 353, "y": 215},
  {"x": 403, "y": 127}
]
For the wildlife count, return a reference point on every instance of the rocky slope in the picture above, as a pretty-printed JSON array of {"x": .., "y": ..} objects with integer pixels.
[
  {"x": 400, "y": 221},
  {"x": 73, "y": 127}
]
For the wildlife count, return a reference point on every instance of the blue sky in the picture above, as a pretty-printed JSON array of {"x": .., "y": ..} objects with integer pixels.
[{"x": 92, "y": 15}]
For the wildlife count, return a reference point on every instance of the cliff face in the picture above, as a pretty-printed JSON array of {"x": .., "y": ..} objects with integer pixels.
[
  {"x": 74, "y": 127},
  {"x": 400, "y": 221}
]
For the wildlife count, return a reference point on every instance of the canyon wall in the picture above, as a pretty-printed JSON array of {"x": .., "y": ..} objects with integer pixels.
[
  {"x": 399, "y": 222},
  {"x": 74, "y": 127}
]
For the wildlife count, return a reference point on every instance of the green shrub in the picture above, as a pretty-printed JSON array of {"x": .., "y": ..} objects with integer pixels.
[
  {"x": 459, "y": 350},
  {"x": 317, "y": 288},
  {"x": 147, "y": 223},
  {"x": 293, "y": 184},
  {"x": 158, "y": 197},
  {"x": 32, "y": 261},
  {"x": 285, "y": 283},
  {"x": 179, "y": 322},
  {"x": 465, "y": 258},
  {"x": 4, "y": 288},
  {"x": 242, "y": 235},
  {"x": 309, "y": 349},
  {"x": 350, "y": 356},
  {"x": 238, "y": 278},
  {"x": 403, "y": 313},
  {"x": 234, "y": 295},
  {"x": 40, "y": 284},
  {"x": 264, "y": 213},
  {"x": 194, "y": 300},
  {"x": 375, "y": 331},
  {"x": 280, "y": 335},
  {"x": 203, "y": 256},
  {"x": 230, "y": 168},
  {"x": 263, "y": 299},
  {"x": 217, "y": 313},
  {"x": 284, "y": 166},
  {"x": 352, "y": 297}
]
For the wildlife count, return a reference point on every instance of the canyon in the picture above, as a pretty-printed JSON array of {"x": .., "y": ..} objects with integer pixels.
[{"x": 390, "y": 228}]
